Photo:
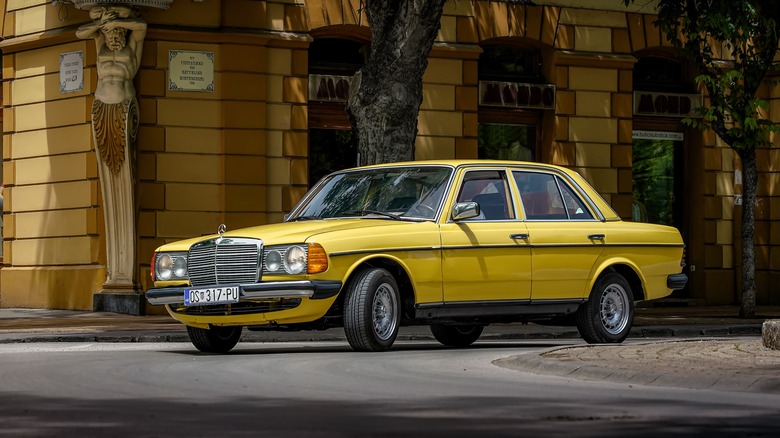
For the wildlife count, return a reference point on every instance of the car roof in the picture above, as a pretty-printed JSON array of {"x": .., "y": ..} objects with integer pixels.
[{"x": 461, "y": 163}]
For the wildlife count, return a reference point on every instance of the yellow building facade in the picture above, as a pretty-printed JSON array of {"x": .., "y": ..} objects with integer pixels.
[{"x": 240, "y": 151}]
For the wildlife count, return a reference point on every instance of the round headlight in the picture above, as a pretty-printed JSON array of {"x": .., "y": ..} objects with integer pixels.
[
  {"x": 295, "y": 260},
  {"x": 164, "y": 267},
  {"x": 180, "y": 267},
  {"x": 273, "y": 261}
]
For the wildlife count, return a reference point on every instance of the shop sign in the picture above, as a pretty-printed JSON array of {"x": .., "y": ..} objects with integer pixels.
[
  {"x": 329, "y": 88},
  {"x": 190, "y": 71},
  {"x": 516, "y": 95},
  {"x": 667, "y": 104},
  {"x": 71, "y": 71},
  {"x": 657, "y": 135}
]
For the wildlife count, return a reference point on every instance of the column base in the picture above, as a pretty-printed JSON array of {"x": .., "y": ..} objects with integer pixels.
[{"x": 126, "y": 300}]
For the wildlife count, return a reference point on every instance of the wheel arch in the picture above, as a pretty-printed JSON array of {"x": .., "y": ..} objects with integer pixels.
[
  {"x": 628, "y": 270},
  {"x": 398, "y": 271}
]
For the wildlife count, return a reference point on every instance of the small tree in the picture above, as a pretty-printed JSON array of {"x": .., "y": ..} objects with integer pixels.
[
  {"x": 747, "y": 31},
  {"x": 387, "y": 92}
]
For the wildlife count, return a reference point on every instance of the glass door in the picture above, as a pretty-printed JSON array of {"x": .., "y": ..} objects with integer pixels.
[
  {"x": 654, "y": 182},
  {"x": 507, "y": 142}
]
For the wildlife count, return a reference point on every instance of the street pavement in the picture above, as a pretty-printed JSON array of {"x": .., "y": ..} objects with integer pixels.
[{"x": 693, "y": 347}]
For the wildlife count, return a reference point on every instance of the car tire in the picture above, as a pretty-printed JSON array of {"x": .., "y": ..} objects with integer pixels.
[
  {"x": 215, "y": 339},
  {"x": 456, "y": 336},
  {"x": 608, "y": 314},
  {"x": 372, "y": 312}
]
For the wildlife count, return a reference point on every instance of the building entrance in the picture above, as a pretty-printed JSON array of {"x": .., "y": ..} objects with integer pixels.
[{"x": 658, "y": 179}]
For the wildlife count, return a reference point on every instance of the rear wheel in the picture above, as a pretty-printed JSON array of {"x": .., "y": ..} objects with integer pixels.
[
  {"x": 457, "y": 336},
  {"x": 372, "y": 311},
  {"x": 216, "y": 339},
  {"x": 609, "y": 312}
]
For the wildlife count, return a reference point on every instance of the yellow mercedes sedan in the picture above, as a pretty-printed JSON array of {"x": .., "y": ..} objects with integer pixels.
[{"x": 455, "y": 245}]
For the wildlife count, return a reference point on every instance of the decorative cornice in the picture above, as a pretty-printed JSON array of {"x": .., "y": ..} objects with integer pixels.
[{"x": 89, "y": 4}]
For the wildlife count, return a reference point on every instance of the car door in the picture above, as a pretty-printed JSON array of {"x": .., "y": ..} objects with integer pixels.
[
  {"x": 565, "y": 235},
  {"x": 485, "y": 258}
]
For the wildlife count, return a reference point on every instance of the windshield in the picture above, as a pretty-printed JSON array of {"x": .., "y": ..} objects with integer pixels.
[{"x": 394, "y": 193}]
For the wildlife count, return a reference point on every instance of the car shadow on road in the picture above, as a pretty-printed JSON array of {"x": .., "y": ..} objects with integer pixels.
[{"x": 256, "y": 348}]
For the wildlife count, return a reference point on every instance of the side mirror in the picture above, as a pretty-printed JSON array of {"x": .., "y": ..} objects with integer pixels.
[{"x": 465, "y": 210}]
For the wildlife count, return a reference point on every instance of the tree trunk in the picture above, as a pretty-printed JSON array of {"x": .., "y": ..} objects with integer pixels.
[
  {"x": 386, "y": 94},
  {"x": 747, "y": 306}
]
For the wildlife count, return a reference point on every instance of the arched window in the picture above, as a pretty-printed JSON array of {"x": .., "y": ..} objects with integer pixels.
[
  {"x": 664, "y": 93},
  {"x": 336, "y": 56},
  {"x": 654, "y": 73},
  {"x": 510, "y": 63},
  {"x": 332, "y": 63},
  {"x": 510, "y": 100}
]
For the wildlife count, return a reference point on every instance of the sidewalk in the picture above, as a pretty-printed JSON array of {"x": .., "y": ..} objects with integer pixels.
[{"x": 38, "y": 325}]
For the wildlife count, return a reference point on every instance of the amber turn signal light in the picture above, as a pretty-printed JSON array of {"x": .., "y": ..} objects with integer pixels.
[{"x": 317, "y": 260}]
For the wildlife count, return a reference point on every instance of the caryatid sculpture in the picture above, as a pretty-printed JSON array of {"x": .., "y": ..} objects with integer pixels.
[{"x": 119, "y": 34}]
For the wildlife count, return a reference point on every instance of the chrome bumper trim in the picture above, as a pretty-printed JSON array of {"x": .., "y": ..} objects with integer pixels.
[{"x": 253, "y": 291}]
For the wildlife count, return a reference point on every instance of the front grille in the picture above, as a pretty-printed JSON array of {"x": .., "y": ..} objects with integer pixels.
[
  {"x": 242, "y": 308},
  {"x": 225, "y": 261}
]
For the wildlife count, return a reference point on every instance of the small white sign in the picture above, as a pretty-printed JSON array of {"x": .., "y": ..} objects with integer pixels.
[
  {"x": 190, "y": 71},
  {"x": 657, "y": 135},
  {"x": 71, "y": 71}
]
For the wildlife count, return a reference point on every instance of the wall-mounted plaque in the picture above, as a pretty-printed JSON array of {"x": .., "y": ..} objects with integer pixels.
[
  {"x": 190, "y": 71},
  {"x": 71, "y": 71}
]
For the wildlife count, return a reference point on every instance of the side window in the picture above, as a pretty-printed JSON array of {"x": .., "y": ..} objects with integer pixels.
[
  {"x": 489, "y": 189},
  {"x": 546, "y": 196},
  {"x": 540, "y": 195},
  {"x": 574, "y": 204}
]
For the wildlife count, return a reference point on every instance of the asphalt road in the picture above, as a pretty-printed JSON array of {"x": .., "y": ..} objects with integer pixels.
[{"x": 323, "y": 389}]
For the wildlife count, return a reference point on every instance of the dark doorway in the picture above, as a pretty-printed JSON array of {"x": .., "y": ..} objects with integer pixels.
[{"x": 330, "y": 150}]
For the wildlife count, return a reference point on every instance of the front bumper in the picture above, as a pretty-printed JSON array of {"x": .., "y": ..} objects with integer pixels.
[{"x": 312, "y": 289}]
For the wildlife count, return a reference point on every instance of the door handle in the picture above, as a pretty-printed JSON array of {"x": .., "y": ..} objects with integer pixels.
[
  {"x": 596, "y": 236},
  {"x": 522, "y": 236}
]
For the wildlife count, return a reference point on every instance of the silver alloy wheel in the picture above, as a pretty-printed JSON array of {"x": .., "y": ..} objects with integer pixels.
[
  {"x": 613, "y": 309},
  {"x": 384, "y": 309}
]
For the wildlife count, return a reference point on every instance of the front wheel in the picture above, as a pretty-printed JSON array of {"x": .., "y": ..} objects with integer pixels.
[
  {"x": 372, "y": 311},
  {"x": 216, "y": 339},
  {"x": 609, "y": 312},
  {"x": 457, "y": 336}
]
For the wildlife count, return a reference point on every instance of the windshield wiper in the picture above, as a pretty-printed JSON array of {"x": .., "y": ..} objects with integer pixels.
[
  {"x": 303, "y": 218},
  {"x": 381, "y": 213}
]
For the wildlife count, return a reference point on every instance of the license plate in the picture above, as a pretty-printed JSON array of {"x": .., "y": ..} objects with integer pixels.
[{"x": 214, "y": 295}]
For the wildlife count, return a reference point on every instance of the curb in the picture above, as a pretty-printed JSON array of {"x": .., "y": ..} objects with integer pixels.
[
  {"x": 536, "y": 363},
  {"x": 180, "y": 335}
]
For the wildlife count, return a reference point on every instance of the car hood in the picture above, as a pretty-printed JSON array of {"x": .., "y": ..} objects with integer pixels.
[{"x": 304, "y": 231}]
